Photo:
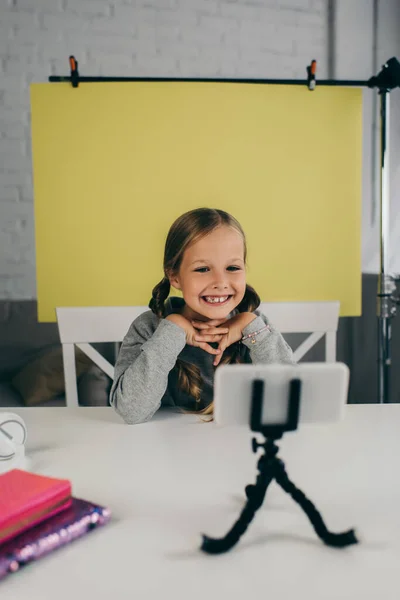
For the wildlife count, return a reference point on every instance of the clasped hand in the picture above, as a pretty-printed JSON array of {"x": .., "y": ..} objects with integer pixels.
[{"x": 223, "y": 331}]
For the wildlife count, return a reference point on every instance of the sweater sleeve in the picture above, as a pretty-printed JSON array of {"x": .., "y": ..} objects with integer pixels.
[
  {"x": 269, "y": 346},
  {"x": 141, "y": 372}
]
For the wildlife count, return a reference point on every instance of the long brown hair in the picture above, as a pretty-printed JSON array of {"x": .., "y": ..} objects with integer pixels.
[{"x": 186, "y": 230}]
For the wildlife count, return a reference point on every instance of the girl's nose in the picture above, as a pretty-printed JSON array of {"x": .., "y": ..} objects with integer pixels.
[{"x": 220, "y": 282}]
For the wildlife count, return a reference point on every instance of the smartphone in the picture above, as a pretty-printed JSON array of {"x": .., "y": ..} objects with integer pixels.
[{"x": 323, "y": 393}]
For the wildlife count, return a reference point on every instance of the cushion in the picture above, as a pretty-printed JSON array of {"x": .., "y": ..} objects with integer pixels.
[
  {"x": 43, "y": 378},
  {"x": 94, "y": 387}
]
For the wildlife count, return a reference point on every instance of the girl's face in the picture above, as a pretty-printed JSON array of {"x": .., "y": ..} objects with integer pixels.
[{"x": 212, "y": 275}]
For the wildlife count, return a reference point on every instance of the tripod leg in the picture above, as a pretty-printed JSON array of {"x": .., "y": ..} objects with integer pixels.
[
  {"x": 255, "y": 497},
  {"x": 338, "y": 540}
]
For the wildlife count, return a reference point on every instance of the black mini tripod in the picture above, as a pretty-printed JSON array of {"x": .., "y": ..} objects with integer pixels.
[{"x": 271, "y": 467}]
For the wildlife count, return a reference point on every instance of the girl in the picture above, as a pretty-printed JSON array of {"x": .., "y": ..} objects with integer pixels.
[{"x": 170, "y": 352}]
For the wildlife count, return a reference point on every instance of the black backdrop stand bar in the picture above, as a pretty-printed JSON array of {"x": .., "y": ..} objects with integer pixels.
[
  {"x": 310, "y": 82},
  {"x": 329, "y": 82},
  {"x": 271, "y": 468}
]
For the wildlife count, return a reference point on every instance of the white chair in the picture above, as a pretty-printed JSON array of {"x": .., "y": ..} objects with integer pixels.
[{"x": 81, "y": 326}]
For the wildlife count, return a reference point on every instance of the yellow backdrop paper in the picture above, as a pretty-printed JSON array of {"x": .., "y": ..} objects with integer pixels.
[{"x": 116, "y": 163}]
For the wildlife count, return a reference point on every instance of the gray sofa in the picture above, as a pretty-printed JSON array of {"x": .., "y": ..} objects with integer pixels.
[{"x": 25, "y": 344}]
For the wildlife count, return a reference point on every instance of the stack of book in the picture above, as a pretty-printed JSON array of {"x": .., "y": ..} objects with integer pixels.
[{"x": 38, "y": 514}]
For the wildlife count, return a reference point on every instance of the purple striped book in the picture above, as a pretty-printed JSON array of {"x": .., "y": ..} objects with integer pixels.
[{"x": 74, "y": 522}]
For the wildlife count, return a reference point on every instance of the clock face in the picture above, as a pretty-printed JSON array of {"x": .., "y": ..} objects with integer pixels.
[{"x": 12, "y": 435}]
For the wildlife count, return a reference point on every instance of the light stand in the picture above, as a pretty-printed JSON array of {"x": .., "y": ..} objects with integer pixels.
[{"x": 385, "y": 81}]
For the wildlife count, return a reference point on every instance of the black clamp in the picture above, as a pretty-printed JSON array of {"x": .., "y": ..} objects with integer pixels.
[
  {"x": 388, "y": 78},
  {"x": 74, "y": 71},
  {"x": 311, "y": 70}
]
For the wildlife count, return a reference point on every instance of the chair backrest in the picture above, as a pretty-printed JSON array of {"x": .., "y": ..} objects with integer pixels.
[
  {"x": 320, "y": 319},
  {"x": 302, "y": 317},
  {"x": 82, "y": 326},
  {"x": 96, "y": 323}
]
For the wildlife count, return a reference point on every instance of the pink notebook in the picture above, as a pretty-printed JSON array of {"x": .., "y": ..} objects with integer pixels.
[
  {"x": 26, "y": 499},
  {"x": 74, "y": 522}
]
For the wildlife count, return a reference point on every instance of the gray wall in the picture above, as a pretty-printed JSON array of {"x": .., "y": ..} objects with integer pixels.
[{"x": 210, "y": 38}]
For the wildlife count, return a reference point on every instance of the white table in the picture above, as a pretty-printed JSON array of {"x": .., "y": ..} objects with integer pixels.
[{"x": 173, "y": 478}]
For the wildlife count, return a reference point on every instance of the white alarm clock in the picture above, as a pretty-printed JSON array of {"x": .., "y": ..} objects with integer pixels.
[{"x": 12, "y": 442}]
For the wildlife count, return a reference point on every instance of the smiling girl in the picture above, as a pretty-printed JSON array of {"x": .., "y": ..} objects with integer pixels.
[{"x": 169, "y": 355}]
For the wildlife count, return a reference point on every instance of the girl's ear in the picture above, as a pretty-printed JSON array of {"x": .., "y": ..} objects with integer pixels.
[{"x": 174, "y": 280}]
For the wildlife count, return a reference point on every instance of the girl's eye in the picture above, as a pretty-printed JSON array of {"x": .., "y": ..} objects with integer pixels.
[{"x": 205, "y": 269}]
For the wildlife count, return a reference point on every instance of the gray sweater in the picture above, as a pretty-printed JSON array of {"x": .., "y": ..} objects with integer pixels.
[{"x": 146, "y": 374}]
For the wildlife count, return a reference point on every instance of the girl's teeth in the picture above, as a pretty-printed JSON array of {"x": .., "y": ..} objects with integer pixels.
[{"x": 216, "y": 300}]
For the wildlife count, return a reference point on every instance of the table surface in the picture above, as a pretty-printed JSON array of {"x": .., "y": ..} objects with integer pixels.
[{"x": 169, "y": 480}]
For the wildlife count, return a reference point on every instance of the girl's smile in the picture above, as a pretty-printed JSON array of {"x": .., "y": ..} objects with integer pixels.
[{"x": 216, "y": 300}]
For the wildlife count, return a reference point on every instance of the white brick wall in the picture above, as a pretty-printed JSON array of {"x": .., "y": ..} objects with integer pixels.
[{"x": 210, "y": 38}]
